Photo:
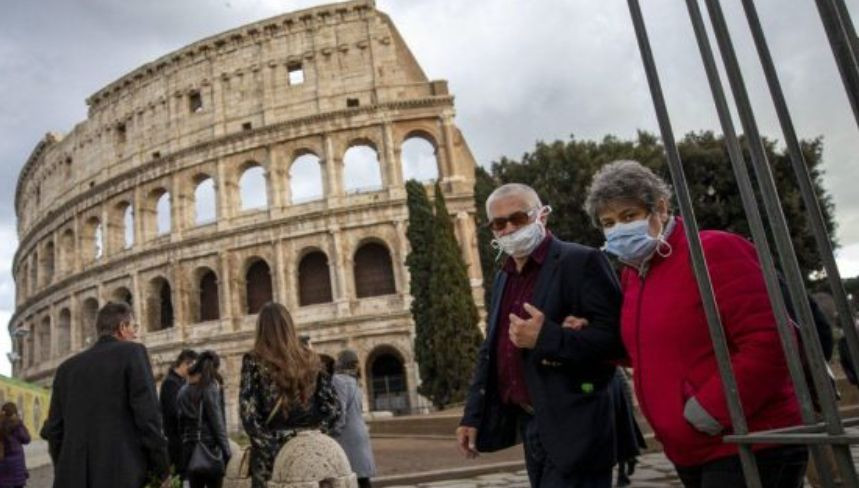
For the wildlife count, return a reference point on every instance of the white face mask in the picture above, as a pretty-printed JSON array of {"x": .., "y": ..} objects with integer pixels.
[{"x": 523, "y": 241}]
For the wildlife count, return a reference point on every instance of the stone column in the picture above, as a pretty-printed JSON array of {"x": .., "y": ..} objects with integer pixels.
[
  {"x": 225, "y": 288},
  {"x": 223, "y": 194},
  {"x": 393, "y": 174},
  {"x": 334, "y": 173},
  {"x": 277, "y": 274},
  {"x": 447, "y": 166},
  {"x": 137, "y": 204},
  {"x": 76, "y": 322},
  {"x": 137, "y": 300},
  {"x": 342, "y": 290},
  {"x": 180, "y": 303},
  {"x": 177, "y": 208}
]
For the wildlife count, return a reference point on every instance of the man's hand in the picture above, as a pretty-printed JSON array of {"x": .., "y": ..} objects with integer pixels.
[
  {"x": 167, "y": 483},
  {"x": 575, "y": 323},
  {"x": 524, "y": 333},
  {"x": 465, "y": 438}
]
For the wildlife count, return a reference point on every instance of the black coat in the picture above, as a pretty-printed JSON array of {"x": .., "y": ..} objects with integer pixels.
[
  {"x": 167, "y": 397},
  {"x": 567, "y": 373},
  {"x": 104, "y": 425},
  {"x": 210, "y": 425}
]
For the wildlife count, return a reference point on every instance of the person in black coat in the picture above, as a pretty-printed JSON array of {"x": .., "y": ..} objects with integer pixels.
[
  {"x": 200, "y": 410},
  {"x": 175, "y": 380},
  {"x": 564, "y": 412},
  {"x": 104, "y": 425}
]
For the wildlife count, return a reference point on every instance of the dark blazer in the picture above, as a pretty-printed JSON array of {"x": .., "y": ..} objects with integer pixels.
[
  {"x": 567, "y": 372},
  {"x": 104, "y": 425}
]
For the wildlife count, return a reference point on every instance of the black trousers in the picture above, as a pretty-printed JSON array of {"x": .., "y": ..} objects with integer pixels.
[
  {"x": 779, "y": 467},
  {"x": 542, "y": 473}
]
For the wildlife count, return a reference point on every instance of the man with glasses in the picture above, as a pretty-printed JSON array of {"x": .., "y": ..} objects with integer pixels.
[
  {"x": 104, "y": 426},
  {"x": 537, "y": 381}
]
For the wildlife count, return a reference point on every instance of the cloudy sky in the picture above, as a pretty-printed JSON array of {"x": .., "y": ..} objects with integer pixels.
[{"x": 521, "y": 72}]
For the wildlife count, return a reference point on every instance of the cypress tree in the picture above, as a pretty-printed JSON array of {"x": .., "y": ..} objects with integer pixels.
[
  {"x": 420, "y": 235},
  {"x": 452, "y": 335}
]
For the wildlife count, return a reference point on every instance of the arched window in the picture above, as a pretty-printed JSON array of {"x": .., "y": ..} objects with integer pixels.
[
  {"x": 67, "y": 251},
  {"x": 163, "y": 221},
  {"x": 387, "y": 380},
  {"x": 209, "y": 303},
  {"x": 305, "y": 178},
  {"x": 98, "y": 241},
  {"x": 128, "y": 226},
  {"x": 252, "y": 188},
  {"x": 314, "y": 279},
  {"x": 89, "y": 312},
  {"x": 159, "y": 305},
  {"x": 258, "y": 286},
  {"x": 374, "y": 273},
  {"x": 204, "y": 202},
  {"x": 362, "y": 170},
  {"x": 64, "y": 332},
  {"x": 48, "y": 263},
  {"x": 44, "y": 338},
  {"x": 34, "y": 273},
  {"x": 419, "y": 160}
]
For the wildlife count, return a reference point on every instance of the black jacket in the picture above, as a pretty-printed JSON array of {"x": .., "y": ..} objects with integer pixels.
[
  {"x": 212, "y": 427},
  {"x": 567, "y": 373},
  {"x": 104, "y": 425},
  {"x": 169, "y": 390}
]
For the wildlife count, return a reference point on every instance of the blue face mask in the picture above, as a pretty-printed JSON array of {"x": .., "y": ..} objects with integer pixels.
[{"x": 631, "y": 241}]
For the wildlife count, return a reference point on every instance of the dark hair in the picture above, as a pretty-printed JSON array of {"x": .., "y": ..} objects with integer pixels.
[
  {"x": 292, "y": 366},
  {"x": 347, "y": 361},
  {"x": 185, "y": 356},
  {"x": 206, "y": 366},
  {"x": 111, "y": 316},
  {"x": 327, "y": 364}
]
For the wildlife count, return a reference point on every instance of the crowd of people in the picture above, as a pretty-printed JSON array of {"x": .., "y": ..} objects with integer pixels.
[{"x": 563, "y": 326}]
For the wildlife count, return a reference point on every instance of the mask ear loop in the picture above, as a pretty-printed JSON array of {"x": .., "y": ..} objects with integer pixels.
[{"x": 495, "y": 245}]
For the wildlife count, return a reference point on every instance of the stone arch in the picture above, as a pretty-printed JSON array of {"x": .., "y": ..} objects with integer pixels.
[
  {"x": 159, "y": 305},
  {"x": 121, "y": 226},
  {"x": 157, "y": 218},
  {"x": 419, "y": 157},
  {"x": 387, "y": 381},
  {"x": 92, "y": 248},
  {"x": 48, "y": 262},
  {"x": 253, "y": 193},
  {"x": 205, "y": 200},
  {"x": 258, "y": 286},
  {"x": 67, "y": 251},
  {"x": 362, "y": 168},
  {"x": 64, "y": 332},
  {"x": 206, "y": 301},
  {"x": 314, "y": 278},
  {"x": 122, "y": 294},
  {"x": 43, "y": 337},
  {"x": 373, "y": 270},
  {"x": 89, "y": 312},
  {"x": 306, "y": 181}
]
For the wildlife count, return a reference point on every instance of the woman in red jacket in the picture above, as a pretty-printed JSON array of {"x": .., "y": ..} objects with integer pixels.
[{"x": 665, "y": 332}]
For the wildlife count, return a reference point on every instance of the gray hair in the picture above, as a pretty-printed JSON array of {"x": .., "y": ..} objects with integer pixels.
[
  {"x": 624, "y": 180},
  {"x": 528, "y": 194}
]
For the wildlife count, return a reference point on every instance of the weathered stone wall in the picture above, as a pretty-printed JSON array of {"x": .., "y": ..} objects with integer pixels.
[{"x": 213, "y": 110}]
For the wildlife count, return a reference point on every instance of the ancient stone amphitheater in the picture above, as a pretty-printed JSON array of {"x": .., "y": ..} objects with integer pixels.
[{"x": 266, "y": 162}]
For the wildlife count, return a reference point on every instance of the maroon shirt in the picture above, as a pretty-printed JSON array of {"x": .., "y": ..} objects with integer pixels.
[{"x": 518, "y": 290}]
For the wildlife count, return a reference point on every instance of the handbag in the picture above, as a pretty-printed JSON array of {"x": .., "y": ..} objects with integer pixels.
[{"x": 205, "y": 461}]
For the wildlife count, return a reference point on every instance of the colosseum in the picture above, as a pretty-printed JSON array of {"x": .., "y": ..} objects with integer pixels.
[{"x": 266, "y": 162}]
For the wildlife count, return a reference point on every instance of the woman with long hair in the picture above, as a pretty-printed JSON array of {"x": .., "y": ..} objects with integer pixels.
[
  {"x": 283, "y": 390},
  {"x": 200, "y": 409},
  {"x": 13, "y": 434}
]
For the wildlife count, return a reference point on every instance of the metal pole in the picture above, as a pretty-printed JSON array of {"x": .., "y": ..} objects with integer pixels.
[
  {"x": 806, "y": 186},
  {"x": 849, "y": 28},
  {"x": 756, "y": 225},
  {"x": 702, "y": 275},
  {"x": 781, "y": 235},
  {"x": 842, "y": 49}
]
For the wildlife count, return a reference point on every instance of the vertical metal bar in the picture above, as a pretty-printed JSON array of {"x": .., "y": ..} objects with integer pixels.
[
  {"x": 842, "y": 49},
  {"x": 756, "y": 225},
  {"x": 849, "y": 28},
  {"x": 702, "y": 275},
  {"x": 806, "y": 186},
  {"x": 781, "y": 235}
]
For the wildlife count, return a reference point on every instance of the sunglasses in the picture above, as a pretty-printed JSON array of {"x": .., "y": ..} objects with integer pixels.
[{"x": 518, "y": 219}]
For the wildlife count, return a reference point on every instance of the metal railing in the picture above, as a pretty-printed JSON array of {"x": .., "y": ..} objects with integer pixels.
[{"x": 828, "y": 432}]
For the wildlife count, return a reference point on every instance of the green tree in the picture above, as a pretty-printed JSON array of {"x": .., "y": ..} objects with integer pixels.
[
  {"x": 419, "y": 261},
  {"x": 453, "y": 336},
  {"x": 561, "y": 173},
  {"x": 483, "y": 186}
]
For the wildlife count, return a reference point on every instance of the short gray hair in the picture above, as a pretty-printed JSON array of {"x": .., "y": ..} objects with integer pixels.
[
  {"x": 624, "y": 180},
  {"x": 526, "y": 192}
]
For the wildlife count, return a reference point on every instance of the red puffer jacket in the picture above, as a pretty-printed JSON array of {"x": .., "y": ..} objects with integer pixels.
[{"x": 665, "y": 333}]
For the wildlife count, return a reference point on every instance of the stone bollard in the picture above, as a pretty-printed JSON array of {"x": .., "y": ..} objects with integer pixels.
[
  {"x": 238, "y": 469},
  {"x": 312, "y": 460}
]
